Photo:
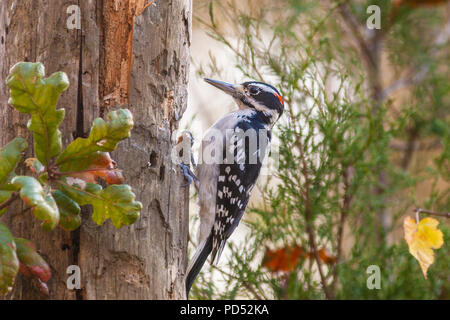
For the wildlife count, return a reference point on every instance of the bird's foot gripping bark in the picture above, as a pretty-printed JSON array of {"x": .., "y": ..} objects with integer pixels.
[
  {"x": 189, "y": 175},
  {"x": 184, "y": 146}
]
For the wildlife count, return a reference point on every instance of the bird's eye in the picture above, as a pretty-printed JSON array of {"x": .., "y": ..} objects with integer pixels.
[{"x": 253, "y": 90}]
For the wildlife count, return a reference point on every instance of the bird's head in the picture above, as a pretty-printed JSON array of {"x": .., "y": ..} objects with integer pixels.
[{"x": 259, "y": 96}]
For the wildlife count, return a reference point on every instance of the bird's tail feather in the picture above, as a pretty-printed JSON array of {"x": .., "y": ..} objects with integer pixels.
[{"x": 197, "y": 262}]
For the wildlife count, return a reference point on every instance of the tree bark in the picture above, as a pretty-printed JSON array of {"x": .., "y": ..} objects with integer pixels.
[{"x": 146, "y": 260}]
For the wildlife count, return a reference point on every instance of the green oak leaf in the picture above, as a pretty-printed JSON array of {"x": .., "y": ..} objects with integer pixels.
[
  {"x": 4, "y": 195},
  {"x": 116, "y": 202},
  {"x": 31, "y": 263},
  {"x": 69, "y": 211},
  {"x": 7, "y": 185},
  {"x": 38, "y": 96},
  {"x": 6, "y": 190},
  {"x": 104, "y": 137},
  {"x": 43, "y": 205},
  {"x": 9, "y": 263},
  {"x": 10, "y": 156}
]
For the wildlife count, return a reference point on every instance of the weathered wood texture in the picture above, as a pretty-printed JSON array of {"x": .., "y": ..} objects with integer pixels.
[{"x": 146, "y": 260}]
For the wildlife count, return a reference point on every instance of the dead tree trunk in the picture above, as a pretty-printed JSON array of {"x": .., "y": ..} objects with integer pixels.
[{"x": 109, "y": 65}]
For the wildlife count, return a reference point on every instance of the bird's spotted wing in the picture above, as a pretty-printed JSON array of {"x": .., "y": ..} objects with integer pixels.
[{"x": 237, "y": 177}]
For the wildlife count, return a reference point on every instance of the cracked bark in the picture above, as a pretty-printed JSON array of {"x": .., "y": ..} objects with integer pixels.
[{"x": 146, "y": 260}]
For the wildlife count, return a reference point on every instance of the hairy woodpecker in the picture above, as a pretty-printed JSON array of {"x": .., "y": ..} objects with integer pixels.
[{"x": 237, "y": 144}]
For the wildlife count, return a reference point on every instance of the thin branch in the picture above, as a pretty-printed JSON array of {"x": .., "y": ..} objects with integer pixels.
[
  {"x": 414, "y": 76},
  {"x": 431, "y": 213},
  {"x": 309, "y": 229},
  {"x": 246, "y": 284},
  {"x": 413, "y": 135},
  {"x": 221, "y": 38},
  {"x": 348, "y": 196},
  {"x": 401, "y": 146},
  {"x": 355, "y": 27}
]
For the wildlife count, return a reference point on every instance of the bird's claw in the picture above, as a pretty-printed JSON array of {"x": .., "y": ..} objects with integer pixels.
[{"x": 189, "y": 175}]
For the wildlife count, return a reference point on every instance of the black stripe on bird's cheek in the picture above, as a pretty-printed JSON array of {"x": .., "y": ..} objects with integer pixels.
[
  {"x": 267, "y": 99},
  {"x": 247, "y": 103}
]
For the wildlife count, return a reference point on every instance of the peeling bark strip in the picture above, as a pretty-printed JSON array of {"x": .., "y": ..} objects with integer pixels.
[{"x": 116, "y": 52}]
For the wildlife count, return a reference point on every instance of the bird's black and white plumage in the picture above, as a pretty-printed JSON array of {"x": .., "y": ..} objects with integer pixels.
[{"x": 230, "y": 161}]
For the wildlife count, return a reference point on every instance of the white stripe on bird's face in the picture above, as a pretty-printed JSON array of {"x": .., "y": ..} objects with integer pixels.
[{"x": 265, "y": 88}]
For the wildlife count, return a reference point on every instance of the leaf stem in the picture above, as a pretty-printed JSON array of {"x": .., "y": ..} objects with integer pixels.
[{"x": 431, "y": 213}]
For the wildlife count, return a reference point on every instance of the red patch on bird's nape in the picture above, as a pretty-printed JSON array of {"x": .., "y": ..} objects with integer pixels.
[{"x": 279, "y": 98}]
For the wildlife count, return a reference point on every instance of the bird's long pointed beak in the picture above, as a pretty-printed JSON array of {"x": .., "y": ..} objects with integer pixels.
[{"x": 224, "y": 86}]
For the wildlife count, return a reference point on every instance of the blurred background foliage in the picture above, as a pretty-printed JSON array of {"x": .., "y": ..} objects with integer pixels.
[{"x": 364, "y": 140}]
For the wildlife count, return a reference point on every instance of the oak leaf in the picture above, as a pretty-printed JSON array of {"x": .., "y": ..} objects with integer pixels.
[
  {"x": 9, "y": 263},
  {"x": 69, "y": 211},
  {"x": 101, "y": 166},
  {"x": 10, "y": 156},
  {"x": 284, "y": 259},
  {"x": 43, "y": 205},
  {"x": 37, "y": 96},
  {"x": 325, "y": 257},
  {"x": 104, "y": 137},
  {"x": 115, "y": 202},
  {"x": 31, "y": 263}
]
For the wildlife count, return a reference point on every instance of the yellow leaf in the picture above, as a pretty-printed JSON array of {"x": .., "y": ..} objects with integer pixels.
[{"x": 422, "y": 237}]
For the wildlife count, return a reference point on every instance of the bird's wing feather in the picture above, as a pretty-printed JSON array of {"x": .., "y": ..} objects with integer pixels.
[{"x": 235, "y": 183}]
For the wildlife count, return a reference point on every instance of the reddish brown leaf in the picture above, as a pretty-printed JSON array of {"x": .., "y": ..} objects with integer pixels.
[
  {"x": 284, "y": 259},
  {"x": 101, "y": 166},
  {"x": 325, "y": 257},
  {"x": 31, "y": 263}
]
